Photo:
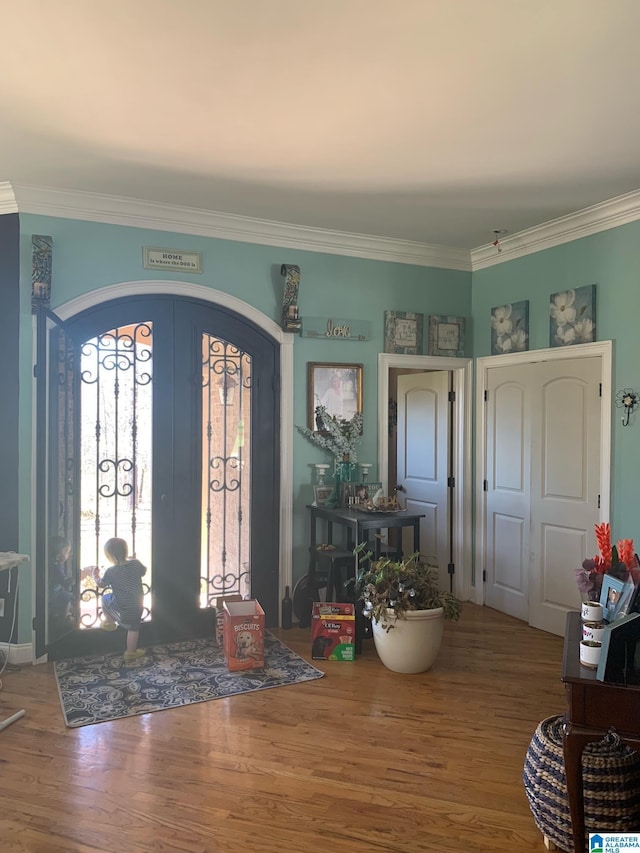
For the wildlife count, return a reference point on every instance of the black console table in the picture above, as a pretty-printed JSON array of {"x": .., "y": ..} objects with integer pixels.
[{"x": 593, "y": 707}]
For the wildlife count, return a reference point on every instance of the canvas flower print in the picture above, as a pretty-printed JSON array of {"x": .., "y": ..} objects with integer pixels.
[
  {"x": 510, "y": 328},
  {"x": 572, "y": 317}
]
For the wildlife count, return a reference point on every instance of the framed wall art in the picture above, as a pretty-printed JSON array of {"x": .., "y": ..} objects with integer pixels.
[
  {"x": 572, "y": 316},
  {"x": 403, "y": 332},
  {"x": 510, "y": 328},
  {"x": 446, "y": 335},
  {"x": 337, "y": 387}
]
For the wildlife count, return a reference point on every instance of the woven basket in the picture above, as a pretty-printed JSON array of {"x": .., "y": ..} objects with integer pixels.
[{"x": 611, "y": 784}]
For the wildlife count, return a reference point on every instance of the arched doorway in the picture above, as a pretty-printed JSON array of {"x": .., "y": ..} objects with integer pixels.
[{"x": 153, "y": 447}]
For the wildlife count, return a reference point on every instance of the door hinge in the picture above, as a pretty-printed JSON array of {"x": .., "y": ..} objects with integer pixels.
[
  {"x": 451, "y": 482},
  {"x": 598, "y": 501},
  {"x": 485, "y": 485},
  {"x": 451, "y": 568},
  {"x": 484, "y": 576},
  {"x": 486, "y": 395},
  {"x": 452, "y": 396},
  {"x": 601, "y": 389}
]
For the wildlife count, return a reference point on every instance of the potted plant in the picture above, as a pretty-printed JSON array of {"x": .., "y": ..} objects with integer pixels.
[{"x": 407, "y": 609}]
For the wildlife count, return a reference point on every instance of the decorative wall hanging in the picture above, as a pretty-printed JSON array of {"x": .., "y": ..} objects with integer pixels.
[
  {"x": 337, "y": 387},
  {"x": 510, "y": 328},
  {"x": 572, "y": 316},
  {"x": 171, "y": 259},
  {"x": 42, "y": 263},
  {"x": 290, "y": 313},
  {"x": 627, "y": 400},
  {"x": 403, "y": 332},
  {"x": 334, "y": 328},
  {"x": 446, "y": 335}
]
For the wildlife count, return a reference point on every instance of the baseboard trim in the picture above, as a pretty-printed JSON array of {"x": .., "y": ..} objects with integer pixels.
[{"x": 17, "y": 653}]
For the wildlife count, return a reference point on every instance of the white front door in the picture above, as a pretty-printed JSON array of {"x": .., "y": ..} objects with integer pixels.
[
  {"x": 423, "y": 462},
  {"x": 543, "y": 453}
]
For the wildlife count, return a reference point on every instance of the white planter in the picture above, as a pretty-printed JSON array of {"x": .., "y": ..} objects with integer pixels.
[
  {"x": 590, "y": 653},
  {"x": 412, "y": 645},
  {"x": 591, "y": 611}
]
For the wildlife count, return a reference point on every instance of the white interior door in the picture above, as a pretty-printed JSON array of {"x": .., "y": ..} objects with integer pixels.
[
  {"x": 543, "y": 449},
  {"x": 423, "y": 461},
  {"x": 508, "y": 487},
  {"x": 565, "y": 486}
]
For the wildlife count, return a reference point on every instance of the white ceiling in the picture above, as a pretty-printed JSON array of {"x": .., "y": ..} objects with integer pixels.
[{"x": 434, "y": 121}]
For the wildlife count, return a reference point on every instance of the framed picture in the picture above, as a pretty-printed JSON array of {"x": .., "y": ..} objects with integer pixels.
[
  {"x": 446, "y": 335},
  {"x": 403, "y": 332},
  {"x": 337, "y": 387},
  {"x": 321, "y": 494},
  {"x": 610, "y": 596},
  {"x": 510, "y": 328},
  {"x": 624, "y": 601},
  {"x": 360, "y": 492},
  {"x": 572, "y": 317}
]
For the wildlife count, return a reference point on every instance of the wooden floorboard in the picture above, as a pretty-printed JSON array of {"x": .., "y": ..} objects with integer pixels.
[{"x": 360, "y": 760}]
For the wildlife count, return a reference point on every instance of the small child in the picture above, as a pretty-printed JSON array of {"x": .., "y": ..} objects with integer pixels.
[{"x": 123, "y": 605}]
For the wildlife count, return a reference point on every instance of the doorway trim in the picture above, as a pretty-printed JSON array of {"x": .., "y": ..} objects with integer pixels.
[
  {"x": 603, "y": 349},
  {"x": 244, "y": 309},
  {"x": 462, "y": 373}
]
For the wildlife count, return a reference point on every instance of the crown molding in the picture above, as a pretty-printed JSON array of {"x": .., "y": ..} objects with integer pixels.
[
  {"x": 591, "y": 220},
  {"x": 118, "y": 210},
  {"x": 8, "y": 203},
  {"x": 136, "y": 213}
]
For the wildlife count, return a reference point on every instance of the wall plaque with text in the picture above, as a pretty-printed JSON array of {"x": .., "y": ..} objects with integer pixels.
[
  {"x": 171, "y": 259},
  {"x": 335, "y": 329}
]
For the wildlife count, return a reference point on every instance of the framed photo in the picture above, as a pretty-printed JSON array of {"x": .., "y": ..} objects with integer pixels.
[
  {"x": 337, "y": 387},
  {"x": 360, "y": 492},
  {"x": 510, "y": 328},
  {"x": 626, "y": 596},
  {"x": 610, "y": 596},
  {"x": 446, "y": 335},
  {"x": 403, "y": 332},
  {"x": 321, "y": 494},
  {"x": 572, "y": 316}
]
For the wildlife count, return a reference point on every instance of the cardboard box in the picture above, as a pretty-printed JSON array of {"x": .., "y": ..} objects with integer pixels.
[
  {"x": 243, "y": 634},
  {"x": 333, "y": 631},
  {"x": 219, "y": 608}
]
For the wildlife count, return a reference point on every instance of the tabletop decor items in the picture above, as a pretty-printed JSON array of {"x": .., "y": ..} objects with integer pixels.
[
  {"x": 617, "y": 561},
  {"x": 340, "y": 437},
  {"x": 607, "y": 583}
]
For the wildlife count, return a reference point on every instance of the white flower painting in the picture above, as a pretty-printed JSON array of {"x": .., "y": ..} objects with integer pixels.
[
  {"x": 572, "y": 316},
  {"x": 510, "y": 328}
]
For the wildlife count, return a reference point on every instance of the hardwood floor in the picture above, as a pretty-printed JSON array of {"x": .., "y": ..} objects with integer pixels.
[{"x": 360, "y": 760}]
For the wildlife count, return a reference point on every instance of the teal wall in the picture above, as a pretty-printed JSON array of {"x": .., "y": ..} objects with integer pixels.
[
  {"x": 611, "y": 260},
  {"x": 87, "y": 256}
]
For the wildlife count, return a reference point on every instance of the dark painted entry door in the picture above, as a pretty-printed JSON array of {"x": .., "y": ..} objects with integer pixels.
[{"x": 162, "y": 429}]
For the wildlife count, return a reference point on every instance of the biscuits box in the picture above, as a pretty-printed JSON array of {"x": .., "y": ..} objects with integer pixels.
[
  {"x": 220, "y": 614},
  {"x": 333, "y": 631},
  {"x": 243, "y": 635}
]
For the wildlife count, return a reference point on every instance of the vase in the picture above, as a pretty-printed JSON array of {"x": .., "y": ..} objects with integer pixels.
[
  {"x": 343, "y": 473},
  {"x": 409, "y": 645}
]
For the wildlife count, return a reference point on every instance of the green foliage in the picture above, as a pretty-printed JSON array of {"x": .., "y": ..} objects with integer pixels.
[{"x": 402, "y": 586}]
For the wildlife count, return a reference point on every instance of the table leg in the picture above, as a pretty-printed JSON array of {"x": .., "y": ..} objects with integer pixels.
[
  {"x": 574, "y": 740},
  {"x": 416, "y": 535}
]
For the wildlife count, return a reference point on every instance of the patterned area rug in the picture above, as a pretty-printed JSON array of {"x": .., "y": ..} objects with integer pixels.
[{"x": 102, "y": 688}]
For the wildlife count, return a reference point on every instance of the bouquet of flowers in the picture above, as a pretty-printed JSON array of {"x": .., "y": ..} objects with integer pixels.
[
  {"x": 619, "y": 561},
  {"x": 338, "y": 435}
]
